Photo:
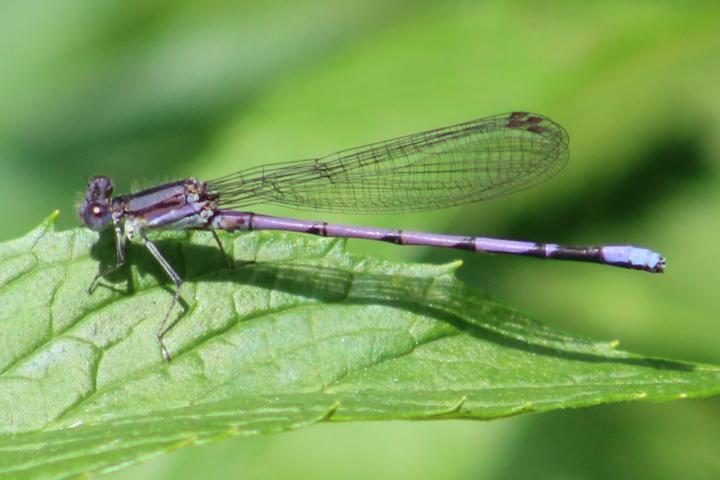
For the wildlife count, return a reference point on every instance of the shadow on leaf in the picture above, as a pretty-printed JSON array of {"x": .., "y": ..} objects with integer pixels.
[{"x": 440, "y": 297}]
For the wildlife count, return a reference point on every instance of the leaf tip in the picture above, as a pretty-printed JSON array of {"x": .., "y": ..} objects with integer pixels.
[
  {"x": 46, "y": 226},
  {"x": 337, "y": 247},
  {"x": 332, "y": 410},
  {"x": 453, "y": 267},
  {"x": 49, "y": 222}
]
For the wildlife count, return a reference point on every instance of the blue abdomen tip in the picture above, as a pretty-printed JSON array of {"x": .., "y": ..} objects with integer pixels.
[{"x": 634, "y": 257}]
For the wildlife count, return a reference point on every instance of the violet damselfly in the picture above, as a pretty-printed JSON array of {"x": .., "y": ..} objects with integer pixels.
[{"x": 455, "y": 165}]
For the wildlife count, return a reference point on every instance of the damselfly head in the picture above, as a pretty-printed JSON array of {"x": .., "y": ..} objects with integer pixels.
[{"x": 96, "y": 205}]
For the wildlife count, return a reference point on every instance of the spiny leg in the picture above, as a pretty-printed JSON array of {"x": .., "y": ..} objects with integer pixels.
[
  {"x": 228, "y": 261},
  {"x": 222, "y": 249},
  {"x": 119, "y": 257},
  {"x": 164, "y": 327}
]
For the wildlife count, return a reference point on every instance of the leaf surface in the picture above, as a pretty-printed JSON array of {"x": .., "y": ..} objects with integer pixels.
[{"x": 298, "y": 332}]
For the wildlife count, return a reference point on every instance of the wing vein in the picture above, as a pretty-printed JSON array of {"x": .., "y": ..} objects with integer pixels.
[{"x": 449, "y": 166}]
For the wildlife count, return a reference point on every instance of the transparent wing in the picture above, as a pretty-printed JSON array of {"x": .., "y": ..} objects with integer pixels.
[{"x": 449, "y": 166}]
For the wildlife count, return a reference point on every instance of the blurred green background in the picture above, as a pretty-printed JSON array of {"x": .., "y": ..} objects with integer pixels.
[{"x": 153, "y": 90}]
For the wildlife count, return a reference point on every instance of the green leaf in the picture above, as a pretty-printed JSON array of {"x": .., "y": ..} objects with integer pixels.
[{"x": 299, "y": 332}]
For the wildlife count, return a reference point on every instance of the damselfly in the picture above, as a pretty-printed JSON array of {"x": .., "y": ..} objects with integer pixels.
[{"x": 439, "y": 168}]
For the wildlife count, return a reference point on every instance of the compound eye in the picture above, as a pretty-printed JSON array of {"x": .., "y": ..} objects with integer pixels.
[
  {"x": 95, "y": 215},
  {"x": 98, "y": 211}
]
